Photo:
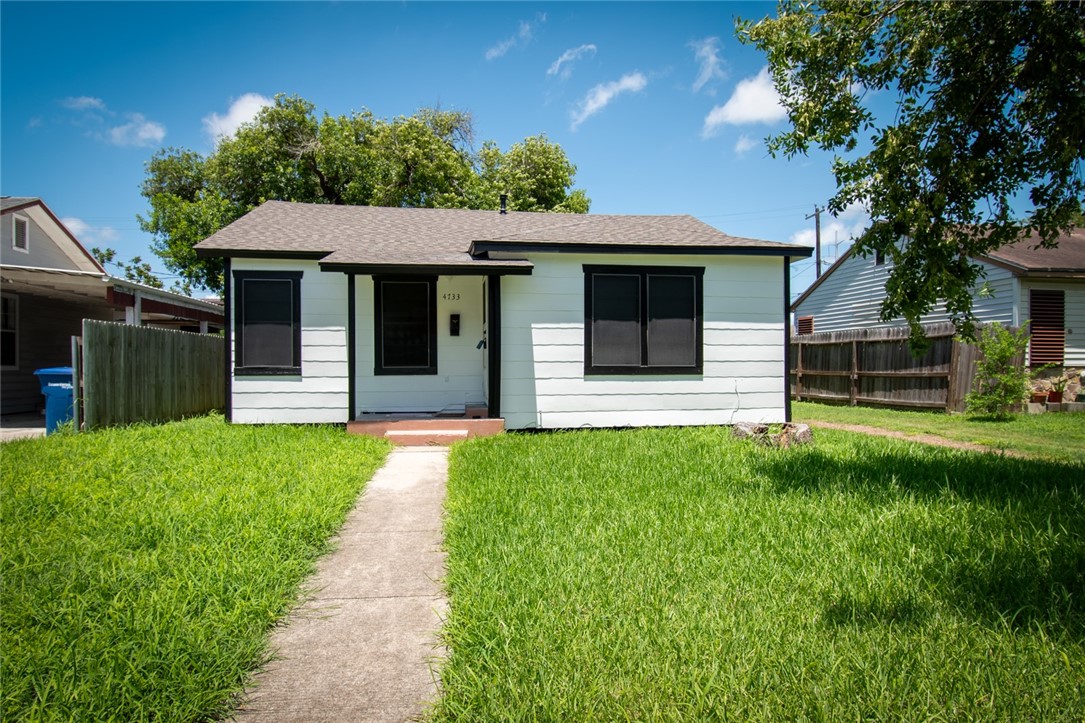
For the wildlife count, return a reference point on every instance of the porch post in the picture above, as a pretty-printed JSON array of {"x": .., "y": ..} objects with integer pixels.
[
  {"x": 351, "y": 342},
  {"x": 787, "y": 339},
  {"x": 228, "y": 334},
  {"x": 493, "y": 344}
]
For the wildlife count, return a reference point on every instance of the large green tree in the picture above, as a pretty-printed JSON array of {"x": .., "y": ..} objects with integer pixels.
[
  {"x": 287, "y": 153},
  {"x": 987, "y": 118}
]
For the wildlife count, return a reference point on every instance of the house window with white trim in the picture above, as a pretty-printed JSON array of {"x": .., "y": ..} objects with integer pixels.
[
  {"x": 9, "y": 331},
  {"x": 267, "y": 322},
  {"x": 20, "y": 234},
  {"x": 643, "y": 320}
]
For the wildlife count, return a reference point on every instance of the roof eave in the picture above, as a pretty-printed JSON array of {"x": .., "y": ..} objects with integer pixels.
[
  {"x": 482, "y": 248},
  {"x": 212, "y": 252},
  {"x": 819, "y": 280},
  {"x": 477, "y": 268}
]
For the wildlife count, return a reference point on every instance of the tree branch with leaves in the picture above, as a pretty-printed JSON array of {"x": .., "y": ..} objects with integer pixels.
[
  {"x": 286, "y": 153},
  {"x": 989, "y": 118}
]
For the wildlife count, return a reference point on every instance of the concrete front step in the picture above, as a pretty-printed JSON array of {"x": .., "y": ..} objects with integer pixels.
[{"x": 414, "y": 430}]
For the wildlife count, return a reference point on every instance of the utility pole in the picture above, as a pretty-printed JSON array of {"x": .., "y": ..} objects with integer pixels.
[{"x": 816, "y": 215}]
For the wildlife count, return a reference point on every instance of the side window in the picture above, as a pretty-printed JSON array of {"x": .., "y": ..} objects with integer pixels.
[
  {"x": 267, "y": 322},
  {"x": 406, "y": 325},
  {"x": 9, "y": 331},
  {"x": 20, "y": 234},
  {"x": 643, "y": 320}
]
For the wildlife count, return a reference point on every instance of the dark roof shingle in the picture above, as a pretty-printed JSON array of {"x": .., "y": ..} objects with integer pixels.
[{"x": 343, "y": 235}]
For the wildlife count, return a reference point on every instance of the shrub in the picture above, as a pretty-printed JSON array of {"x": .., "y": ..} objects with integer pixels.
[{"x": 1001, "y": 377}]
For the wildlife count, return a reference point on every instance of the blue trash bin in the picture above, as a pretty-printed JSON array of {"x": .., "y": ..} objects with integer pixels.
[{"x": 56, "y": 386}]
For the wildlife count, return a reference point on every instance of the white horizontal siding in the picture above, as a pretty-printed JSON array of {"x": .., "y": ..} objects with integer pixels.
[
  {"x": 543, "y": 380},
  {"x": 459, "y": 378},
  {"x": 320, "y": 394}
]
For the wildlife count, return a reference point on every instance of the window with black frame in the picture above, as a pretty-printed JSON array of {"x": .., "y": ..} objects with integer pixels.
[
  {"x": 643, "y": 320},
  {"x": 267, "y": 322},
  {"x": 406, "y": 328}
]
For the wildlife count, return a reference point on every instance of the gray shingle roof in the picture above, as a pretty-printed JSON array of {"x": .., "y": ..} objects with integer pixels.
[
  {"x": 1068, "y": 256},
  {"x": 7, "y": 202},
  {"x": 358, "y": 235}
]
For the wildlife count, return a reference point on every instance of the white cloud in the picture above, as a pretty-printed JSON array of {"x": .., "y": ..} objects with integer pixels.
[
  {"x": 754, "y": 100},
  {"x": 745, "y": 144},
  {"x": 83, "y": 102},
  {"x": 523, "y": 36},
  {"x": 601, "y": 95},
  {"x": 241, "y": 111},
  {"x": 707, "y": 52},
  {"x": 138, "y": 131},
  {"x": 841, "y": 229},
  {"x": 568, "y": 58},
  {"x": 88, "y": 234},
  {"x": 93, "y": 114}
]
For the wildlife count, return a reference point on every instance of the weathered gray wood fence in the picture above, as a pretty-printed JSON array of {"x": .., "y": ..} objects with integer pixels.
[
  {"x": 129, "y": 374},
  {"x": 875, "y": 366}
]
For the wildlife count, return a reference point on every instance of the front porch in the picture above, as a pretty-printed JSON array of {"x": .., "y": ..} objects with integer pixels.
[{"x": 416, "y": 429}]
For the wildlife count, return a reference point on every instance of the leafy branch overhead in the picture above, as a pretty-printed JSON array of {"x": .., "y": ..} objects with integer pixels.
[
  {"x": 989, "y": 111},
  {"x": 287, "y": 153}
]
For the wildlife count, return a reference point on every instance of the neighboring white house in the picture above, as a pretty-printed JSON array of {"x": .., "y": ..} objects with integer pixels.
[
  {"x": 547, "y": 320},
  {"x": 1022, "y": 284},
  {"x": 49, "y": 284}
]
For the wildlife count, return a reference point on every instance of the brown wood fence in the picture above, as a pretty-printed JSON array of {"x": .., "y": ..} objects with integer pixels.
[
  {"x": 130, "y": 374},
  {"x": 876, "y": 367}
]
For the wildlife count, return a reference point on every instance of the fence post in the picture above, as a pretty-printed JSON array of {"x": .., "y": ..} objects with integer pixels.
[
  {"x": 77, "y": 392},
  {"x": 854, "y": 373},
  {"x": 798, "y": 375},
  {"x": 953, "y": 383}
]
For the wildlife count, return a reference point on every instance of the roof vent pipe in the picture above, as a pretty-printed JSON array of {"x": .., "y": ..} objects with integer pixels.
[{"x": 504, "y": 203}]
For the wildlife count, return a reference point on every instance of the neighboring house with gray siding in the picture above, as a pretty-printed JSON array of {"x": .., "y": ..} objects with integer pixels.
[
  {"x": 1021, "y": 284},
  {"x": 49, "y": 283},
  {"x": 545, "y": 320}
]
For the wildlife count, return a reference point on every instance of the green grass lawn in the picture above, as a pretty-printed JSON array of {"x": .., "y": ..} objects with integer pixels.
[
  {"x": 1059, "y": 436},
  {"x": 144, "y": 567},
  {"x": 676, "y": 574}
]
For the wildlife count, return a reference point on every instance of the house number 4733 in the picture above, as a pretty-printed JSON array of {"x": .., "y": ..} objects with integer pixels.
[{"x": 451, "y": 297}]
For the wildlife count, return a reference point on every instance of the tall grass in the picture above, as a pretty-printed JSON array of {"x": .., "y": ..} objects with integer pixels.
[
  {"x": 143, "y": 567},
  {"x": 680, "y": 575}
]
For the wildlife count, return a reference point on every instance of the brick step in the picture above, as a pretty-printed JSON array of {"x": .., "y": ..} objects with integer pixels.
[
  {"x": 425, "y": 437},
  {"x": 418, "y": 430}
]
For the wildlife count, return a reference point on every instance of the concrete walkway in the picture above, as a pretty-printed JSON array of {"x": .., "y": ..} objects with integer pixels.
[
  {"x": 21, "y": 426},
  {"x": 364, "y": 646}
]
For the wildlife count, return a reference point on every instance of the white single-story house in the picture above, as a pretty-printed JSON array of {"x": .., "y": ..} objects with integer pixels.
[
  {"x": 545, "y": 320},
  {"x": 1022, "y": 283}
]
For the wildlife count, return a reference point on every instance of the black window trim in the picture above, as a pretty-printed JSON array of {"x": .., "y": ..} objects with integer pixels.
[
  {"x": 378, "y": 321},
  {"x": 239, "y": 277},
  {"x": 644, "y": 272}
]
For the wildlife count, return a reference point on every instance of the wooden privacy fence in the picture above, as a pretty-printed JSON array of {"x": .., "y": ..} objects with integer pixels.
[
  {"x": 129, "y": 374},
  {"x": 875, "y": 366}
]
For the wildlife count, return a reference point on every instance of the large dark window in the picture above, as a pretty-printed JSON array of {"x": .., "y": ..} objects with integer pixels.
[
  {"x": 267, "y": 322},
  {"x": 643, "y": 320},
  {"x": 406, "y": 328}
]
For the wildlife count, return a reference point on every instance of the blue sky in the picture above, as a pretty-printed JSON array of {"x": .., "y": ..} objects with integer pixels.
[{"x": 658, "y": 105}]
